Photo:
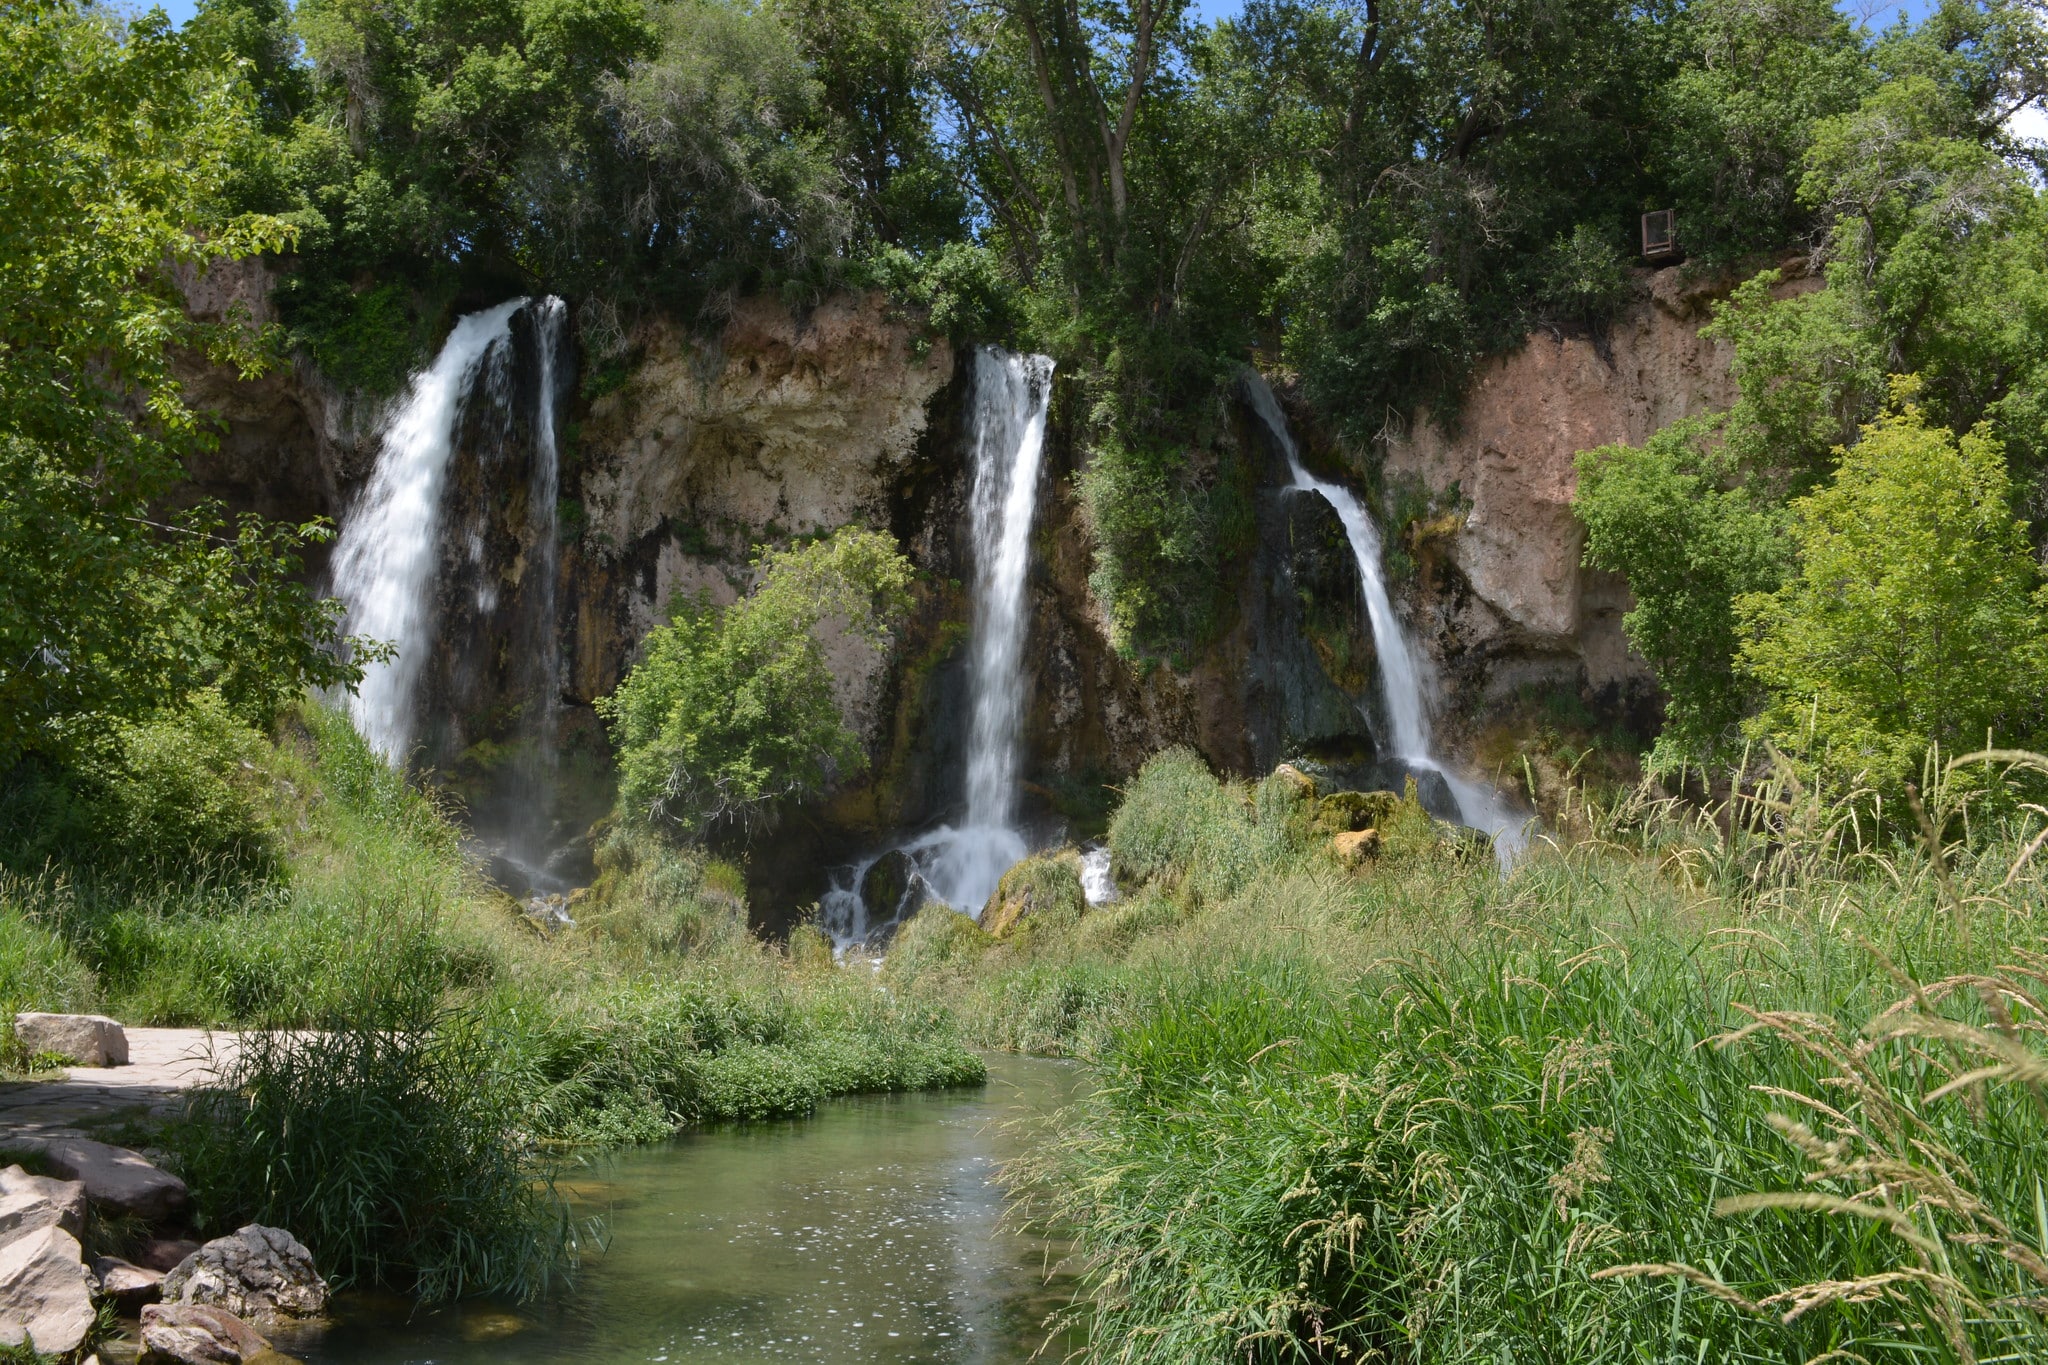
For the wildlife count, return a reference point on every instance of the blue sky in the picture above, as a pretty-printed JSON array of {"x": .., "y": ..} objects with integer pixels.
[{"x": 181, "y": 10}]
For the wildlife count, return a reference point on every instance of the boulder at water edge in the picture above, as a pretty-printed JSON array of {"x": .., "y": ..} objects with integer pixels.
[
  {"x": 45, "y": 1293},
  {"x": 86, "y": 1039},
  {"x": 198, "y": 1334},
  {"x": 28, "y": 1202},
  {"x": 129, "y": 1286},
  {"x": 263, "y": 1274}
]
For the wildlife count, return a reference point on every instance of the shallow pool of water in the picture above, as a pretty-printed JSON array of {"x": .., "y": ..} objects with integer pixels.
[{"x": 872, "y": 1231}]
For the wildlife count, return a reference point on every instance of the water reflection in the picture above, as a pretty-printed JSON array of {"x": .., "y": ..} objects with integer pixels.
[{"x": 870, "y": 1232}]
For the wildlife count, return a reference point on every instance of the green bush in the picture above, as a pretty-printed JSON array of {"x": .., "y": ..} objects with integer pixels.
[
  {"x": 932, "y": 938},
  {"x": 733, "y": 1035},
  {"x": 175, "y": 796},
  {"x": 1674, "y": 518},
  {"x": 730, "y": 712},
  {"x": 387, "y": 1139},
  {"x": 756, "y": 1082},
  {"x": 1916, "y": 615},
  {"x": 1181, "y": 825}
]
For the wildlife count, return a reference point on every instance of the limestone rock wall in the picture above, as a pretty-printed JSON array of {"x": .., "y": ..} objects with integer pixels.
[
  {"x": 784, "y": 424},
  {"x": 790, "y": 422},
  {"x": 1517, "y": 606}
]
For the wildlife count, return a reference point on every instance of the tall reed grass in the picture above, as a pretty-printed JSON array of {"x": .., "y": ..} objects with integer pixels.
[{"x": 1428, "y": 1113}]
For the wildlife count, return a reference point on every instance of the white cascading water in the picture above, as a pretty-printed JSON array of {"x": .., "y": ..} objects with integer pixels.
[
  {"x": 543, "y": 498},
  {"x": 1403, "y": 676},
  {"x": 962, "y": 865},
  {"x": 389, "y": 545}
]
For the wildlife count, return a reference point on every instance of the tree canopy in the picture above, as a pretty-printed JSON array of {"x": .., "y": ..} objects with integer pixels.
[{"x": 117, "y": 147}]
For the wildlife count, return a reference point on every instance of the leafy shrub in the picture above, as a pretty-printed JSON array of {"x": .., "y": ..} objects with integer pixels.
[
  {"x": 1585, "y": 278},
  {"x": 1672, "y": 517},
  {"x": 177, "y": 795},
  {"x": 1915, "y": 616},
  {"x": 756, "y": 1082},
  {"x": 730, "y": 712}
]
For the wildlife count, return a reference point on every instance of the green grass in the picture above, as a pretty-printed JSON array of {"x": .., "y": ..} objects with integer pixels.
[
  {"x": 430, "y": 1053},
  {"x": 1413, "y": 1113}
]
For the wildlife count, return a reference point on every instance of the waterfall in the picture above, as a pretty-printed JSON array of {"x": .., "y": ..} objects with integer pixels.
[
  {"x": 962, "y": 865},
  {"x": 544, "y": 564},
  {"x": 389, "y": 546},
  {"x": 1404, "y": 678},
  {"x": 1010, "y": 396}
]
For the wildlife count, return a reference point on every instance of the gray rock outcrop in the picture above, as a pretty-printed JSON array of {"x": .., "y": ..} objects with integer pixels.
[
  {"x": 28, "y": 1202},
  {"x": 45, "y": 1292},
  {"x": 198, "y": 1334},
  {"x": 86, "y": 1039},
  {"x": 263, "y": 1274}
]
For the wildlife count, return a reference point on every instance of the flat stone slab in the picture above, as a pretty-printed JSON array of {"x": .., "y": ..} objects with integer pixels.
[
  {"x": 163, "y": 1063},
  {"x": 114, "y": 1177}
]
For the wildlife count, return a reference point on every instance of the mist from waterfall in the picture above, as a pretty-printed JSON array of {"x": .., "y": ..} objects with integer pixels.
[
  {"x": 389, "y": 547},
  {"x": 1404, "y": 675},
  {"x": 962, "y": 865}
]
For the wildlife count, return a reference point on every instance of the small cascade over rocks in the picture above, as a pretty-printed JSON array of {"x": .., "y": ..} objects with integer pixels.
[
  {"x": 454, "y": 546},
  {"x": 1405, "y": 678},
  {"x": 961, "y": 865}
]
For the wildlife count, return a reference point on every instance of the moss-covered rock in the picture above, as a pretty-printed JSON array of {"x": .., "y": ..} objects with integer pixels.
[
  {"x": 935, "y": 937},
  {"x": 1350, "y": 812},
  {"x": 1038, "y": 893}
]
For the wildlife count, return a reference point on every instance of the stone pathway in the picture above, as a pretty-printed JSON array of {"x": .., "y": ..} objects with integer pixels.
[{"x": 162, "y": 1064}]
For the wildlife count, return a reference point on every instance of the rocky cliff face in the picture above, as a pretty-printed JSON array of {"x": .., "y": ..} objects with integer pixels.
[
  {"x": 1504, "y": 601},
  {"x": 788, "y": 423}
]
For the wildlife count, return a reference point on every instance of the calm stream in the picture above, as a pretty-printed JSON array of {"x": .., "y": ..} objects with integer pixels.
[{"x": 871, "y": 1231}]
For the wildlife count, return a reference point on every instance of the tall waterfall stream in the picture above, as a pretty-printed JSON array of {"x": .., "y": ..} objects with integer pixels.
[
  {"x": 403, "y": 536},
  {"x": 389, "y": 548},
  {"x": 1404, "y": 674},
  {"x": 961, "y": 865}
]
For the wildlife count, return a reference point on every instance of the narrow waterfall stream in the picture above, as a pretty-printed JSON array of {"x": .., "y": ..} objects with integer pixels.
[
  {"x": 1404, "y": 674},
  {"x": 389, "y": 547},
  {"x": 961, "y": 865}
]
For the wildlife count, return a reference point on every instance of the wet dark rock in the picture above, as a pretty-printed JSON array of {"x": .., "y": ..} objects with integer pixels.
[{"x": 886, "y": 885}]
